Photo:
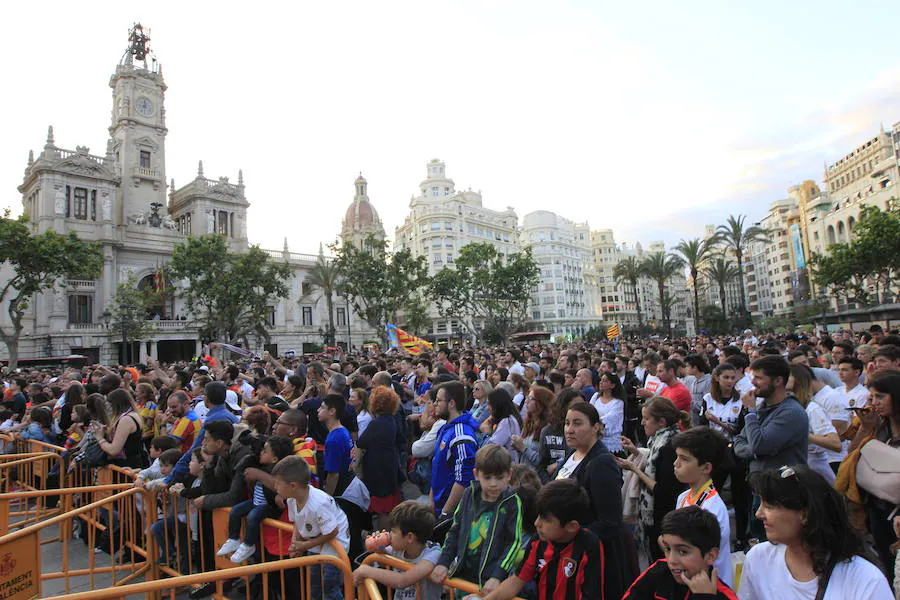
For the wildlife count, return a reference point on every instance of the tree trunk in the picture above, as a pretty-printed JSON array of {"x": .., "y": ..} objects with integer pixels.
[
  {"x": 722, "y": 299},
  {"x": 329, "y": 303},
  {"x": 696, "y": 303},
  {"x": 637, "y": 305},
  {"x": 12, "y": 346},
  {"x": 740, "y": 264},
  {"x": 662, "y": 304}
]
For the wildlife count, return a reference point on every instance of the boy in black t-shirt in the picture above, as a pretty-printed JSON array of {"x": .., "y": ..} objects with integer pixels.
[
  {"x": 568, "y": 562},
  {"x": 689, "y": 538}
]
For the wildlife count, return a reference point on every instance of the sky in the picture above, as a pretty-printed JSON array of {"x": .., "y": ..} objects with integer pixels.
[{"x": 650, "y": 118}]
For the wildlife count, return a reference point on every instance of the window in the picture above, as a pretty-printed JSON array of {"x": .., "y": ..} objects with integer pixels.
[
  {"x": 341, "y": 315},
  {"x": 145, "y": 159},
  {"x": 93, "y": 205},
  {"x": 80, "y": 308},
  {"x": 434, "y": 191},
  {"x": 81, "y": 204},
  {"x": 449, "y": 257},
  {"x": 307, "y": 316},
  {"x": 270, "y": 316}
]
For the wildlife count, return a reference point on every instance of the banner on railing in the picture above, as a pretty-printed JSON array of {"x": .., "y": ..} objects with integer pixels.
[{"x": 19, "y": 573}]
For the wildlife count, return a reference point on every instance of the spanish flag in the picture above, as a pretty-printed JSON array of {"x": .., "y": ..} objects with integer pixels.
[{"x": 400, "y": 339}]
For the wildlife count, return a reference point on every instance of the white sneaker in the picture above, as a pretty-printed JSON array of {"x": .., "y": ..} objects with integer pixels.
[
  {"x": 229, "y": 547},
  {"x": 243, "y": 553}
]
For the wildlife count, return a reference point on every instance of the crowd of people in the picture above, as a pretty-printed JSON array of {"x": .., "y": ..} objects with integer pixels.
[{"x": 641, "y": 468}]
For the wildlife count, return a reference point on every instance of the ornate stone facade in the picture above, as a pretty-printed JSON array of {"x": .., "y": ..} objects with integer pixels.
[{"x": 121, "y": 201}]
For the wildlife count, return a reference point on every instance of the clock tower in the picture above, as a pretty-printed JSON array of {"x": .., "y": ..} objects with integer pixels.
[{"x": 138, "y": 128}]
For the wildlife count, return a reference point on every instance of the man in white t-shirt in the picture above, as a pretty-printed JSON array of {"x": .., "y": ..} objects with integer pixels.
[
  {"x": 855, "y": 393},
  {"x": 838, "y": 411},
  {"x": 317, "y": 521}
]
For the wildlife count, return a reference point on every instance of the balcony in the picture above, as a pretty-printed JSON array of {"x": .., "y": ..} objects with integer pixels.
[{"x": 139, "y": 174}]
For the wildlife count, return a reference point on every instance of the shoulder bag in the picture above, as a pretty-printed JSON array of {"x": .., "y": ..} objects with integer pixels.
[{"x": 878, "y": 471}]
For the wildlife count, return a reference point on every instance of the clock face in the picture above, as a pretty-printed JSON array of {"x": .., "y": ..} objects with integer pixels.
[{"x": 144, "y": 106}]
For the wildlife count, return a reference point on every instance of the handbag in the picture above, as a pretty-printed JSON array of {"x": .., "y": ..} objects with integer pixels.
[
  {"x": 92, "y": 455},
  {"x": 878, "y": 471}
]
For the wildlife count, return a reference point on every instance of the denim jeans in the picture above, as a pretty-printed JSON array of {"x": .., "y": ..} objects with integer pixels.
[
  {"x": 172, "y": 528},
  {"x": 255, "y": 516},
  {"x": 334, "y": 583}
]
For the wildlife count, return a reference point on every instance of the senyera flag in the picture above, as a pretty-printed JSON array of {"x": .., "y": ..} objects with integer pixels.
[
  {"x": 613, "y": 331},
  {"x": 407, "y": 341}
]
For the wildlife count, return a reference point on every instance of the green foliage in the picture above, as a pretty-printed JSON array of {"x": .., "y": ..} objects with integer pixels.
[
  {"x": 416, "y": 320},
  {"x": 377, "y": 283},
  {"x": 694, "y": 254},
  {"x": 722, "y": 272},
  {"x": 38, "y": 262},
  {"x": 485, "y": 288},
  {"x": 129, "y": 308},
  {"x": 629, "y": 271},
  {"x": 229, "y": 294},
  {"x": 596, "y": 332},
  {"x": 873, "y": 256},
  {"x": 324, "y": 277},
  {"x": 661, "y": 267},
  {"x": 735, "y": 237}
]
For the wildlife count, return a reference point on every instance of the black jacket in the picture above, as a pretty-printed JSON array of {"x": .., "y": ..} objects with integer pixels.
[{"x": 658, "y": 583}]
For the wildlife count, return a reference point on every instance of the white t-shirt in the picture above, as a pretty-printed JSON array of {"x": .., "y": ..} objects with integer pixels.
[
  {"x": 612, "y": 414},
  {"x": 766, "y": 576},
  {"x": 430, "y": 591},
  {"x": 819, "y": 424},
  {"x": 837, "y": 408},
  {"x": 319, "y": 516},
  {"x": 362, "y": 421},
  {"x": 728, "y": 413},
  {"x": 712, "y": 503},
  {"x": 856, "y": 397},
  {"x": 568, "y": 467},
  {"x": 744, "y": 384}
]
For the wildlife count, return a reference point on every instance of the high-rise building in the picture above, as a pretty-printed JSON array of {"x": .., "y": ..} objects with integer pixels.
[
  {"x": 773, "y": 277},
  {"x": 442, "y": 220},
  {"x": 119, "y": 200},
  {"x": 561, "y": 248}
]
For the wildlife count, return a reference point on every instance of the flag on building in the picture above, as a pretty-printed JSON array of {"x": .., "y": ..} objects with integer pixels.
[
  {"x": 613, "y": 332},
  {"x": 400, "y": 339}
]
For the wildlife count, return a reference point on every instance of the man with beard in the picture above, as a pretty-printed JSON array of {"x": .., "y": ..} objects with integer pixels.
[
  {"x": 774, "y": 434},
  {"x": 452, "y": 469},
  {"x": 185, "y": 422}
]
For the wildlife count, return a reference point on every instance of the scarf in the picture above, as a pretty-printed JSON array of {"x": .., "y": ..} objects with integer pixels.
[{"x": 657, "y": 442}]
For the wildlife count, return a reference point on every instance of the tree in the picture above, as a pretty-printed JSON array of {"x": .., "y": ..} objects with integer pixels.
[
  {"x": 229, "y": 294},
  {"x": 38, "y": 262},
  {"x": 377, "y": 283},
  {"x": 694, "y": 253},
  {"x": 129, "y": 315},
  {"x": 733, "y": 236},
  {"x": 722, "y": 271},
  {"x": 324, "y": 276},
  {"x": 871, "y": 258},
  {"x": 662, "y": 266},
  {"x": 415, "y": 315},
  {"x": 628, "y": 271},
  {"x": 486, "y": 291}
]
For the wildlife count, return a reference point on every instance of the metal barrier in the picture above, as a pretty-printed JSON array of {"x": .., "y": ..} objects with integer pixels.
[
  {"x": 132, "y": 533},
  {"x": 374, "y": 592}
]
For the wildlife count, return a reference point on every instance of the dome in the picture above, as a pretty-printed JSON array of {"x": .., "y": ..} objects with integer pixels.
[{"x": 360, "y": 214}]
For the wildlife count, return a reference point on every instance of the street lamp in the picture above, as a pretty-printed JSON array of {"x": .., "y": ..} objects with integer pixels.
[
  {"x": 105, "y": 316},
  {"x": 123, "y": 308}
]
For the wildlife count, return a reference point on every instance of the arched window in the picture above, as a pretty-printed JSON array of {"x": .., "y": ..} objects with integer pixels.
[
  {"x": 841, "y": 233},
  {"x": 162, "y": 297},
  {"x": 830, "y": 234},
  {"x": 850, "y": 223}
]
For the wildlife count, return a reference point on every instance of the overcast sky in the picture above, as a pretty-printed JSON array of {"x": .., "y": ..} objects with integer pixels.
[{"x": 650, "y": 118}]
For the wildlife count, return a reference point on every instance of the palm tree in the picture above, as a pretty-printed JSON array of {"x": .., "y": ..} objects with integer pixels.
[
  {"x": 722, "y": 271},
  {"x": 661, "y": 266},
  {"x": 324, "y": 276},
  {"x": 628, "y": 271},
  {"x": 695, "y": 253},
  {"x": 734, "y": 237}
]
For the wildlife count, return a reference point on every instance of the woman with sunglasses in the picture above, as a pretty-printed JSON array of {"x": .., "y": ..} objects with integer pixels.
[{"x": 812, "y": 552}]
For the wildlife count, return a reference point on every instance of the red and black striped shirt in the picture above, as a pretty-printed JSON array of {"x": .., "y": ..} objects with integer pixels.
[{"x": 573, "y": 571}]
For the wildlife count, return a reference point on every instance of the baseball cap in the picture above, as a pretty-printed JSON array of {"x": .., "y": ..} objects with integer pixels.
[{"x": 232, "y": 400}]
